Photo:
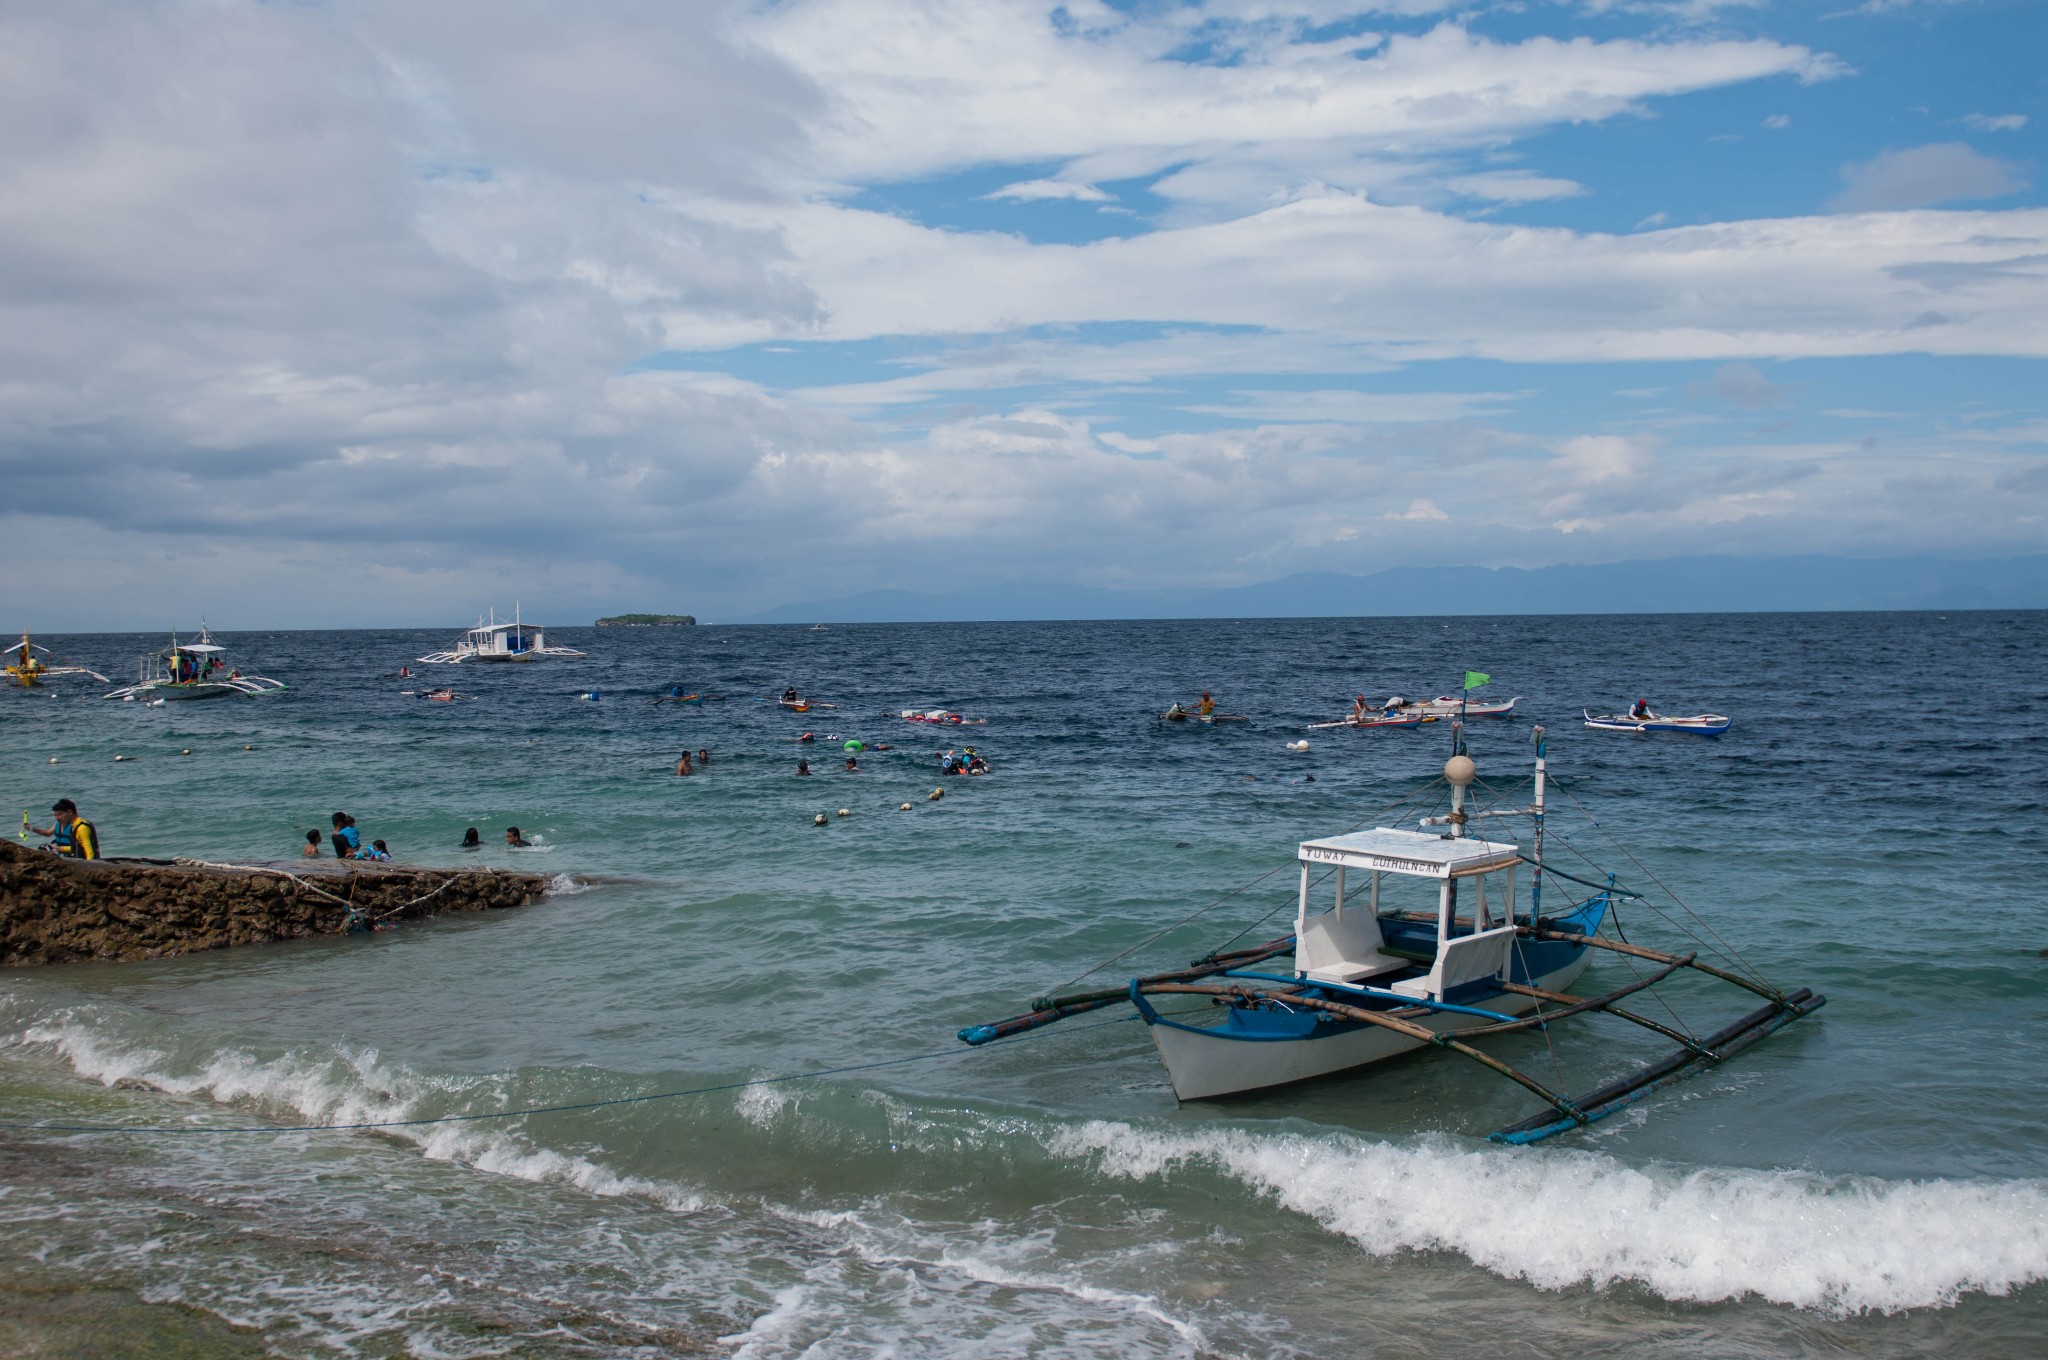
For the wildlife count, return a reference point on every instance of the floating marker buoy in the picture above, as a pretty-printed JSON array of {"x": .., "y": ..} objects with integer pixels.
[
  {"x": 53, "y": 760},
  {"x": 186, "y": 752},
  {"x": 1301, "y": 745},
  {"x": 119, "y": 759},
  {"x": 248, "y": 748},
  {"x": 936, "y": 795},
  {"x": 846, "y": 812},
  {"x": 906, "y": 808},
  {"x": 818, "y": 820}
]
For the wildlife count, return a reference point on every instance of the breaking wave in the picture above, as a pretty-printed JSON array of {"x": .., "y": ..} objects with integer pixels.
[{"x": 1841, "y": 1245}]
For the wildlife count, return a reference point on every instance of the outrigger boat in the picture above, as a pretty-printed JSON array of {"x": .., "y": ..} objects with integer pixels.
[
  {"x": 28, "y": 670},
  {"x": 492, "y": 640},
  {"x": 1641, "y": 719},
  {"x": 1375, "y": 719},
  {"x": 1369, "y": 978},
  {"x": 193, "y": 670},
  {"x": 940, "y": 717},
  {"x": 1451, "y": 706},
  {"x": 1178, "y": 713}
]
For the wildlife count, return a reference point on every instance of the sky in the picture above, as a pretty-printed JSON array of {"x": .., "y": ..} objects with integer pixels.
[{"x": 379, "y": 313}]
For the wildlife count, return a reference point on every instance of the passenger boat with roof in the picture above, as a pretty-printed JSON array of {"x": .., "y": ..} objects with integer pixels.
[
  {"x": 495, "y": 640},
  {"x": 27, "y": 670},
  {"x": 202, "y": 669},
  {"x": 1406, "y": 940}
]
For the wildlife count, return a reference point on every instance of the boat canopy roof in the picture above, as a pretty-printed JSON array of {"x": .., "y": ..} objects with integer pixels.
[
  {"x": 196, "y": 647},
  {"x": 1389, "y": 850}
]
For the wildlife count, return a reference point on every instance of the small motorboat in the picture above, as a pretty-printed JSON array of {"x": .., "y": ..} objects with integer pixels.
[{"x": 1641, "y": 719}]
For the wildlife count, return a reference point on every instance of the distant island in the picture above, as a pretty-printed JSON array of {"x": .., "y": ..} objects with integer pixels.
[{"x": 646, "y": 620}]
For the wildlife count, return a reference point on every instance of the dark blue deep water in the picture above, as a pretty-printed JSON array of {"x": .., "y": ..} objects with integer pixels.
[{"x": 1870, "y": 1182}]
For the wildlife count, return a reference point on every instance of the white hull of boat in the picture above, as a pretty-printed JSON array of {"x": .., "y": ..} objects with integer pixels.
[{"x": 1203, "y": 1066}]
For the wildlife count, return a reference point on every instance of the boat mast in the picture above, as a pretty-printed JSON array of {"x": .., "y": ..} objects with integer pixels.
[{"x": 1536, "y": 809}]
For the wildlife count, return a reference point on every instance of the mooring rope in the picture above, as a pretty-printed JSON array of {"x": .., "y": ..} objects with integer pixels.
[
  {"x": 454, "y": 875},
  {"x": 569, "y": 1108}
]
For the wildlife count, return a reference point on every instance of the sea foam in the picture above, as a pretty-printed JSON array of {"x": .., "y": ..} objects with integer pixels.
[
  {"x": 1559, "y": 1218},
  {"x": 343, "y": 1086}
]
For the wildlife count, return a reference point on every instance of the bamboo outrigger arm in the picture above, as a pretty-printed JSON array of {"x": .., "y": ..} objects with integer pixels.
[
  {"x": 1637, "y": 951},
  {"x": 1046, "y": 1009}
]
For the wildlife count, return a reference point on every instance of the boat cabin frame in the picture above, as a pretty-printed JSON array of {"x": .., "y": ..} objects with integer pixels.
[{"x": 1346, "y": 945}]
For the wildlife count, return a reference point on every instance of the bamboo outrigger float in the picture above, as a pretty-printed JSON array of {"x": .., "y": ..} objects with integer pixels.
[{"x": 1372, "y": 981}]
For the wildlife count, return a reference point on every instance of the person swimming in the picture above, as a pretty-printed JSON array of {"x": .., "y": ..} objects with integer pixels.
[
  {"x": 852, "y": 766},
  {"x": 515, "y": 840},
  {"x": 471, "y": 840},
  {"x": 703, "y": 757},
  {"x": 683, "y": 765},
  {"x": 803, "y": 767},
  {"x": 377, "y": 850},
  {"x": 311, "y": 849}
]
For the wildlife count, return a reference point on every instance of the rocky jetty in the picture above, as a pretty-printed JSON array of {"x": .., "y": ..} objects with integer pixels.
[{"x": 56, "y": 910}]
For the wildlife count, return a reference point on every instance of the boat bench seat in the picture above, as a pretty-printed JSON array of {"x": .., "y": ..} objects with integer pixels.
[{"x": 1386, "y": 961}]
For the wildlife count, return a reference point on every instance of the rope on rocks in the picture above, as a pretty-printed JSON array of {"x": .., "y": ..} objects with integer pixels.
[{"x": 453, "y": 876}]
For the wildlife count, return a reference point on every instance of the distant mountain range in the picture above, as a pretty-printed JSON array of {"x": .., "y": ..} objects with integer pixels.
[{"x": 1678, "y": 585}]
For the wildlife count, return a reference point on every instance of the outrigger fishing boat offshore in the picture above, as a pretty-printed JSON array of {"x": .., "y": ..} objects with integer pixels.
[
  {"x": 1361, "y": 981},
  {"x": 193, "y": 670},
  {"x": 28, "y": 670},
  {"x": 492, "y": 640},
  {"x": 1639, "y": 718}
]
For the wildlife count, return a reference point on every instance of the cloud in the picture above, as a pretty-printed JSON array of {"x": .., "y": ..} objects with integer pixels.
[
  {"x": 1109, "y": 95},
  {"x": 1036, "y": 190},
  {"x": 1923, "y": 176},
  {"x": 1742, "y": 386},
  {"x": 312, "y": 285},
  {"x": 1513, "y": 186},
  {"x": 2001, "y": 122}
]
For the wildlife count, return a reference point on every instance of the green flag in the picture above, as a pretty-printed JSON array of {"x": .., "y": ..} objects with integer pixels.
[{"x": 1475, "y": 679}]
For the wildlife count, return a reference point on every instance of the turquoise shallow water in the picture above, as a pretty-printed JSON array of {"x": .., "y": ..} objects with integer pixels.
[{"x": 1869, "y": 1182}]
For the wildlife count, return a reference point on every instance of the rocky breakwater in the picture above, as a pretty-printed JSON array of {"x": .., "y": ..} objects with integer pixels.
[{"x": 55, "y": 910}]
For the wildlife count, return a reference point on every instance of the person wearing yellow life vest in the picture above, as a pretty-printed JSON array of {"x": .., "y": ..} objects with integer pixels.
[{"x": 72, "y": 835}]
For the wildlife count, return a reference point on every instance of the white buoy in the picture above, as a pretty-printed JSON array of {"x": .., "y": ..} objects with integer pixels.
[
  {"x": 818, "y": 820},
  {"x": 904, "y": 808},
  {"x": 119, "y": 759},
  {"x": 937, "y": 794},
  {"x": 53, "y": 760},
  {"x": 1301, "y": 745},
  {"x": 248, "y": 748},
  {"x": 846, "y": 812},
  {"x": 186, "y": 752}
]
